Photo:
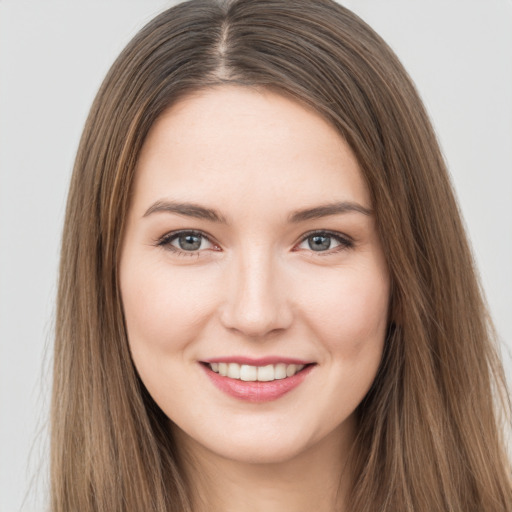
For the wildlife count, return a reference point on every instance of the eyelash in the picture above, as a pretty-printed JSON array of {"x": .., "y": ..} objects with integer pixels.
[
  {"x": 165, "y": 242},
  {"x": 344, "y": 241}
]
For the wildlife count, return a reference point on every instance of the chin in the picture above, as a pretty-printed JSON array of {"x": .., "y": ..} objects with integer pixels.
[
  {"x": 251, "y": 447},
  {"x": 266, "y": 445},
  {"x": 259, "y": 453}
]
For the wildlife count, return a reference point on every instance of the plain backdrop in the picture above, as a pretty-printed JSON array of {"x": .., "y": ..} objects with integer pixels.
[{"x": 53, "y": 56}]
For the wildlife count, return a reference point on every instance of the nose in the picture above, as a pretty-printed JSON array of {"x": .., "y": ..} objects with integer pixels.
[{"x": 257, "y": 302}]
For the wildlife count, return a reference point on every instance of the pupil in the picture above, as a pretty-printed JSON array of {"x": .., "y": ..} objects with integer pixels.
[
  {"x": 190, "y": 242},
  {"x": 319, "y": 242}
]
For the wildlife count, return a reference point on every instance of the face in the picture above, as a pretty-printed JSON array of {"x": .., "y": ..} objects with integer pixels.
[{"x": 253, "y": 281}]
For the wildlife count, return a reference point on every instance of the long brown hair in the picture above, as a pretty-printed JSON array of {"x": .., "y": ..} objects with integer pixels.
[{"x": 430, "y": 429}]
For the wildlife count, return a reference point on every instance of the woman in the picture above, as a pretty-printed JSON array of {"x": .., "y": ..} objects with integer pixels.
[{"x": 266, "y": 296}]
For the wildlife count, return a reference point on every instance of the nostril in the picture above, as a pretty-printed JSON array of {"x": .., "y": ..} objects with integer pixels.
[{"x": 256, "y": 322}]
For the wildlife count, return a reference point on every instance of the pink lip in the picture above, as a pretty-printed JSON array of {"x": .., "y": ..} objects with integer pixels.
[
  {"x": 256, "y": 391},
  {"x": 261, "y": 361}
]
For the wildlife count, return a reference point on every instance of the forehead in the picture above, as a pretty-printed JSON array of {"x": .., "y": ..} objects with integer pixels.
[{"x": 232, "y": 142}]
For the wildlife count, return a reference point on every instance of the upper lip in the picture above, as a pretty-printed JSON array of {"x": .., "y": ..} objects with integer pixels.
[{"x": 259, "y": 361}]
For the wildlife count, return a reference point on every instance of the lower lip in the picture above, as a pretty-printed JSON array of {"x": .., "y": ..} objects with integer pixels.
[{"x": 256, "y": 391}]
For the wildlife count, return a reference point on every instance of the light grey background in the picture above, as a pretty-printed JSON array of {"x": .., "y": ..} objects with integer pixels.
[{"x": 53, "y": 56}]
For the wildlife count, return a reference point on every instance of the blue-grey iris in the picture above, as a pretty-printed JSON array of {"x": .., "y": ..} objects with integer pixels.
[
  {"x": 189, "y": 242},
  {"x": 319, "y": 242}
]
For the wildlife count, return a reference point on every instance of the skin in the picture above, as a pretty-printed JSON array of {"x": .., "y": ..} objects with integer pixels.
[{"x": 254, "y": 288}]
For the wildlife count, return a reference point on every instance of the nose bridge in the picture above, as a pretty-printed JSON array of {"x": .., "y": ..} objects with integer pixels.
[{"x": 256, "y": 302}]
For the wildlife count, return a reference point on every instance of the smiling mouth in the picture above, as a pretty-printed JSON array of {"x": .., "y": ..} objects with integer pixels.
[
  {"x": 264, "y": 381},
  {"x": 250, "y": 373}
]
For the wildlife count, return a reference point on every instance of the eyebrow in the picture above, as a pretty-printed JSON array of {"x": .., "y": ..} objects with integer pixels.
[
  {"x": 200, "y": 212},
  {"x": 328, "y": 209},
  {"x": 187, "y": 209}
]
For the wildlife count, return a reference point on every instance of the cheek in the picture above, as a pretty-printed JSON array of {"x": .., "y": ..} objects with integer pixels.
[
  {"x": 165, "y": 312},
  {"x": 349, "y": 319},
  {"x": 350, "y": 311},
  {"x": 163, "y": 309}
]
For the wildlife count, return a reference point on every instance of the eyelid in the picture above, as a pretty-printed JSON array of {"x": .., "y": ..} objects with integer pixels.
[
  {"x": 345, "y": 241},
  {"x": 165, "y": 241}
]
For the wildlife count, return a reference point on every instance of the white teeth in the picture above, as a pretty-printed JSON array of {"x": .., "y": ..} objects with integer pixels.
[
  {"x": 266, "y": 373},
  {"x": 250, "y": 373},
  {"x": 223, "y": 369},
  {"x": 280, "y": 371},
  {"x": 233, "y": 371},
  {"x": 290, "y": 370}
]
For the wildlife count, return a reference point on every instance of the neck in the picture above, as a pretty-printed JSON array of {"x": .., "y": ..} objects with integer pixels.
[{"x": 316, "y": 479}]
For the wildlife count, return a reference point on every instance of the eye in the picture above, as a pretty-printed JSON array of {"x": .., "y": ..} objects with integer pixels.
[
  {"x": 183, "y": 242},
  {"x": 325, "y": 241}
]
